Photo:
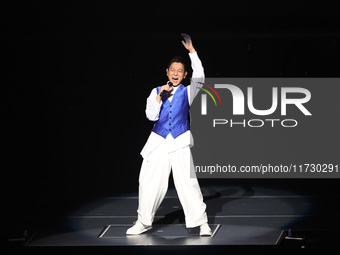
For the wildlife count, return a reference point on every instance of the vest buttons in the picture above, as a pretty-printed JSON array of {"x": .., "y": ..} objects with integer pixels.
[
  {"x": 170, "y": 105},
  {"x": 169, "y": 124},
  {"x": 169, "y": 129}
]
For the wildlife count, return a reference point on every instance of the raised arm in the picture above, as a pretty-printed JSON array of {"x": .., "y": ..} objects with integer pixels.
[{"x": 197, "y": 69}]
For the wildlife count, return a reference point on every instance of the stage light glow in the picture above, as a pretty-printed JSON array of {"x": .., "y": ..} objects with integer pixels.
[{"x": 259, "y": 212}]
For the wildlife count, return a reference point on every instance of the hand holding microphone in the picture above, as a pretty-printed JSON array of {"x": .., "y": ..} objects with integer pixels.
[{"x": 166, "y": 88}]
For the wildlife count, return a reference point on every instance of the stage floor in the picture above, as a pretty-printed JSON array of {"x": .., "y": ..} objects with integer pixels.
[{"x": 237, "y": 215}]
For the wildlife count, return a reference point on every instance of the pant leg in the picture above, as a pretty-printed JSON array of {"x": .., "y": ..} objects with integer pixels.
[
  {"x": 187, "y": 188},
  {"x": 153, "y": 184}
]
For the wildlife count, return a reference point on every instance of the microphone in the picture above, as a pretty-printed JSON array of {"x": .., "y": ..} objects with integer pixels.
[{"x": 164, "y": 91}]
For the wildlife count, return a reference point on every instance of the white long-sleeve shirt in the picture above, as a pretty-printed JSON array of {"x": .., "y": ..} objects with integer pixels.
[{"x": 153, "y": 108}]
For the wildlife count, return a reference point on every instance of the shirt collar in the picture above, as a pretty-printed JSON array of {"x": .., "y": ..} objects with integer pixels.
[{"x": 174, "y": 89}]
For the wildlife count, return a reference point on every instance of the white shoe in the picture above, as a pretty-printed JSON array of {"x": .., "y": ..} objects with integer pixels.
[
  {"x": 205, "y": 230},
  {"x": 138, "y": 228}
]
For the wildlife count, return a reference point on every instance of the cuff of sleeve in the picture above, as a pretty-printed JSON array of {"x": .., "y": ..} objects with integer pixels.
[
  {"x": 157, "y": 105},
  {"x": 193, "y": 54}
]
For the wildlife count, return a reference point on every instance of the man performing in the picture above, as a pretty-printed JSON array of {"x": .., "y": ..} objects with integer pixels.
[{"x": 168, "y": 147}]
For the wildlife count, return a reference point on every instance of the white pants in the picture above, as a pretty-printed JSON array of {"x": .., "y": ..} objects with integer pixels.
[{"x": 153, "y": 185}]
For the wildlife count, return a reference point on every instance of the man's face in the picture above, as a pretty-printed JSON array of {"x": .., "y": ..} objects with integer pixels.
[{"x": 176, "y": 73}]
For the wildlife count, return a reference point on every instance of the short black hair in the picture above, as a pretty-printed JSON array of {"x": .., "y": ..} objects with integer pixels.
[{"x": 178, "y": 59}]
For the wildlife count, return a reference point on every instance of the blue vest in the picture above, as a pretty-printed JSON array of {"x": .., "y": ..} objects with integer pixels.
[{"x": 174, "y": 115}]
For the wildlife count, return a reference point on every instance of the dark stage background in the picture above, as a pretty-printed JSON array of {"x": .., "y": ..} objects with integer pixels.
[{"x": 75, "y": 77}]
